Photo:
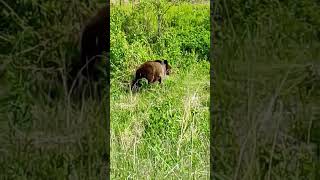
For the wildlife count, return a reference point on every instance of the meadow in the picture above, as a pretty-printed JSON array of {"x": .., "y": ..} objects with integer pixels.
[
  {"x": 163, "y": 130},
  {"x": 41, "y": 136},
  {"x": 266, "y": 89},
  {"x": 265, "y": 92}
]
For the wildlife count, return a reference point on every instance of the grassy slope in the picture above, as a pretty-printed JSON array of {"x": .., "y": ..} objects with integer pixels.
[{"x": 162, "y": 131}]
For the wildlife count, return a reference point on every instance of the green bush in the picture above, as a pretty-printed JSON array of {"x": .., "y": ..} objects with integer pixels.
[{"x": 184, "y": 30}]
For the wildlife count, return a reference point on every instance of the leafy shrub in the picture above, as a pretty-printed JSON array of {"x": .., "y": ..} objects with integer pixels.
[{"x": 136, "y": 36}]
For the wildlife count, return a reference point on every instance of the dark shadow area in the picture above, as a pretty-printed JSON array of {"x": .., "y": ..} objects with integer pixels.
[
  {"x": 265, "y": 89},
  {"x": 54, "y": 74}
]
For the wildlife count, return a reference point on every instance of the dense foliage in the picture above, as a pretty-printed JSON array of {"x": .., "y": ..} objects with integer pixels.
[
  {"x": 151, "y": 31},
  {"x": 266, "y": 64},
  {"x": 44, "y": 136},
  {"x": 162, "y": 131}
]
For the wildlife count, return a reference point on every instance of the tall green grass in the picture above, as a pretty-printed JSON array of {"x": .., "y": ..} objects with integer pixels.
[
  {"x": 43, "y": 137},
  {"x": 163, "y": 130},
  {"x": 266, "y": 89}
]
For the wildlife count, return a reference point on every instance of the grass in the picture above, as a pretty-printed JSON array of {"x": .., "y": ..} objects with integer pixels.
[
  {"x": 266, "y": 90},
  {"x": 163, "y": 130},
  {"x": 45, "y": 137},
  {"x": 58, "y": 138}
]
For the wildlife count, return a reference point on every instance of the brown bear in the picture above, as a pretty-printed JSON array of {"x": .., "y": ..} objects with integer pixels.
[
  {"x": 88, "y": 71},
  {"x": 153, "y": 71}
]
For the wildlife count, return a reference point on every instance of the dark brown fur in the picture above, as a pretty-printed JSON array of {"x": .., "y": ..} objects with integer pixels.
[
  {"x": 94, "y": 42},
  {"x": 153, "y": 71}
]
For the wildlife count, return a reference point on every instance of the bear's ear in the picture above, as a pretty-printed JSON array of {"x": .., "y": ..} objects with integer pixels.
[{"x": 168, "y": 69}]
